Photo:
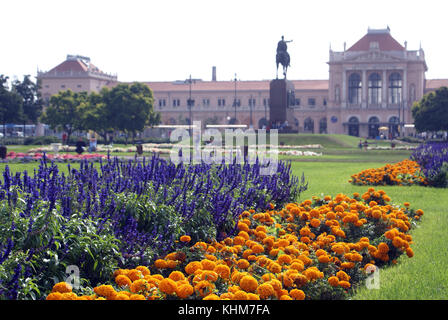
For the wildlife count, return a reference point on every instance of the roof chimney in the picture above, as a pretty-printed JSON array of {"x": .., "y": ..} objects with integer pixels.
[{"x": 214, "y": 73}]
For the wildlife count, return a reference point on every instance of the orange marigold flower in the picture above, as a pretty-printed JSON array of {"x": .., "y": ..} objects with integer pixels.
[
  {"x": 265, "y": 290},
  {"x": 62, "y": 287},
  {"x": 284, "y": 259},
  {"x": 54, "y": 296},
  {"x": 160, "y": 264},
  {"x": 204, "y": 288},
  {"x": 248, "y": 283},
  {"x": 168, "y": 286},
  {"x": 383, "y": 248},
  {"x": 176, "y": 276},
  {"x": 242, "y": 264},
  {"x": 208, "y": 264},
  {"x": 323, "y": 258},
  {"x": 297, "y": 294},
  {"x": 344, "y": 284},
  {"x": 139, "y": 285},
  {"x": 409, "y": 252},
  {"x": 123, "y": 281},
  {"x": 223, "y": 271},
  {"x": 212, "y": 297},
  {"x": 144, "y": 270},
  {"x": 342, "y": 276},
  {"x": 192, "y": 267},
  {"x": 183, "y": 291},
  {"x": 333, "y": 281},
  {"x": 137, "y": 297},
  {"x": 315, "y": 223},
  {"x": 185, "y": 238}
]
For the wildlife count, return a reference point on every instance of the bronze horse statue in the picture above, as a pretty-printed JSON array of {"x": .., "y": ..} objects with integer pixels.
[{"x": 282, "y": 56}]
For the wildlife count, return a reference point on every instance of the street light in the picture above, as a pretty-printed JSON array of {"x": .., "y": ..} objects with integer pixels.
[
  {"x": 190, "y": 104},
  {"x": 251, "y": 102},
  {"x": 234, "y": 100}
]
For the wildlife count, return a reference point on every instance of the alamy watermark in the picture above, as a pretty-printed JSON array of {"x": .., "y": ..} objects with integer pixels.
[{"x": 229, "y": 146}]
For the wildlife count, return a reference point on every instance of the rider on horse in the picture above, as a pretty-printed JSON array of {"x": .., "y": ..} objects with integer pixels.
[{"x": 282, "y": 55}]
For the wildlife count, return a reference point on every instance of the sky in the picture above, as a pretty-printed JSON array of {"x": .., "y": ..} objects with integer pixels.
[{"x": 167, "y": 40}]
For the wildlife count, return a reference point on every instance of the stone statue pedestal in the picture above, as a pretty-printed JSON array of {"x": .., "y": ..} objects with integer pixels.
[{"x": 281, "y": 95}]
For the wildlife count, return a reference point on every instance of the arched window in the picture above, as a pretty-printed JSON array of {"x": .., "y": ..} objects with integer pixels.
[
  {"x": 308, "y": 125},
  {"x": 395, "y": 88},
  {"x": 323, "y": 125},
  {"x": 354, "y": 88},
  {"x": 412, "y": 92},
  {"x": 375, "y": 88},
  {"x": 353, "y": 126},
  {"x": 374, "y": 127},
  {"x": 337, "y": 94},
  {"x": 393, "y": 126},
  {"x": 263, "y": 123}
]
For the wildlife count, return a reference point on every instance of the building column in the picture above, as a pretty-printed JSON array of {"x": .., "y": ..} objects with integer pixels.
[
  {"x": 344, "y": 88},
  {"x": 384, "y": 90},
  {"x": 364, "y": 89}
]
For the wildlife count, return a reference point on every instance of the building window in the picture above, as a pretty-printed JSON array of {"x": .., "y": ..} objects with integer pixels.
[
  {"x": 395, "y": 88},
  {"x": 252, "y": 102},
  {"x": 236, "y": 102},
  {"x": 325, "y": 102},
  {"x": 375, "y": 88},
  {"x": 374, "y": 126},
  {"x": 323, "y": 125},
  {"x": 308, "y": 125},
  {"x": 62, "y": 86},
  {"x": 79, "y": 86},
  {"x": 353, "y": 126},
  {"x": 354, "y": 88},
  {"x": 337, "y": 94},
  {"x": 412, "y": 92},
  {"x": 206, "y": 102},
  {"x": 221, "y": 102},
  {"x": 176, "y": 102},
  {"x": 162, "y": 103},
  {"x": 311, "y": 102},
  {"x": 47, "y": 86},
  {"x": 266, "y": 102},
  {"x": 297, "y": 102}
]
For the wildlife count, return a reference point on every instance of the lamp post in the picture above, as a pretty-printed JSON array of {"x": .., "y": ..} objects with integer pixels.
[
  {"x": 234, "y": 100},
  {"x": 190, "y": 104},
  {"x": 251, "y": 102}
]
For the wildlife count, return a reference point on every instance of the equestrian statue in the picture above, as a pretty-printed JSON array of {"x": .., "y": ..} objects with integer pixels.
[{"x": 282, "y": 56}]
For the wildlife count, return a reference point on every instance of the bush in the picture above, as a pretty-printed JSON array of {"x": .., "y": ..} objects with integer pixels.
[{"x": 43, "y": 140}]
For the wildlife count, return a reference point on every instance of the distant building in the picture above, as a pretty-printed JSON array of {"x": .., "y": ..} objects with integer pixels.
[
  {"x": 76, "y": 73},
  {"x": 372, "y": 85}
]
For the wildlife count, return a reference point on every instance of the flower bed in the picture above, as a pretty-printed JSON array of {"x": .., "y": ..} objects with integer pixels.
[
  {"x": 125, "y": 213},
  {"x": 433, "y": 159},
  {"x": 319, "y": 249},
  {"x": 406, "y": 172},
  {"x": 65, "y": 157}
]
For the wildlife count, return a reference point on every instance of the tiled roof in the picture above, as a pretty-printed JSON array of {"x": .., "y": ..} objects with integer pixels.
[
  {"x": 262, "y": 85},
  {"x": 70, "y": 65},
  {"x": 433, "y": 84},
  {"x": 385, "y": 41}
]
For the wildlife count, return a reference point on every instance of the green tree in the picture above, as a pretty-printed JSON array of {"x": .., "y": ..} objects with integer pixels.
[
  {"x": 10, "y": 104},
  {"x": 31, "y": 100},
  {"x": 64, "y": 111},
  {"x": 95, "y": 114},
  {"x": 431, "y": 112},
  {"x": 131, "y": 108}
]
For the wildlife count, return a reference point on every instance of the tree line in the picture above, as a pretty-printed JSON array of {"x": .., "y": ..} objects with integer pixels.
[
  {"x": 21, "y": 104},
  {"x": 127, "y": 108}
]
